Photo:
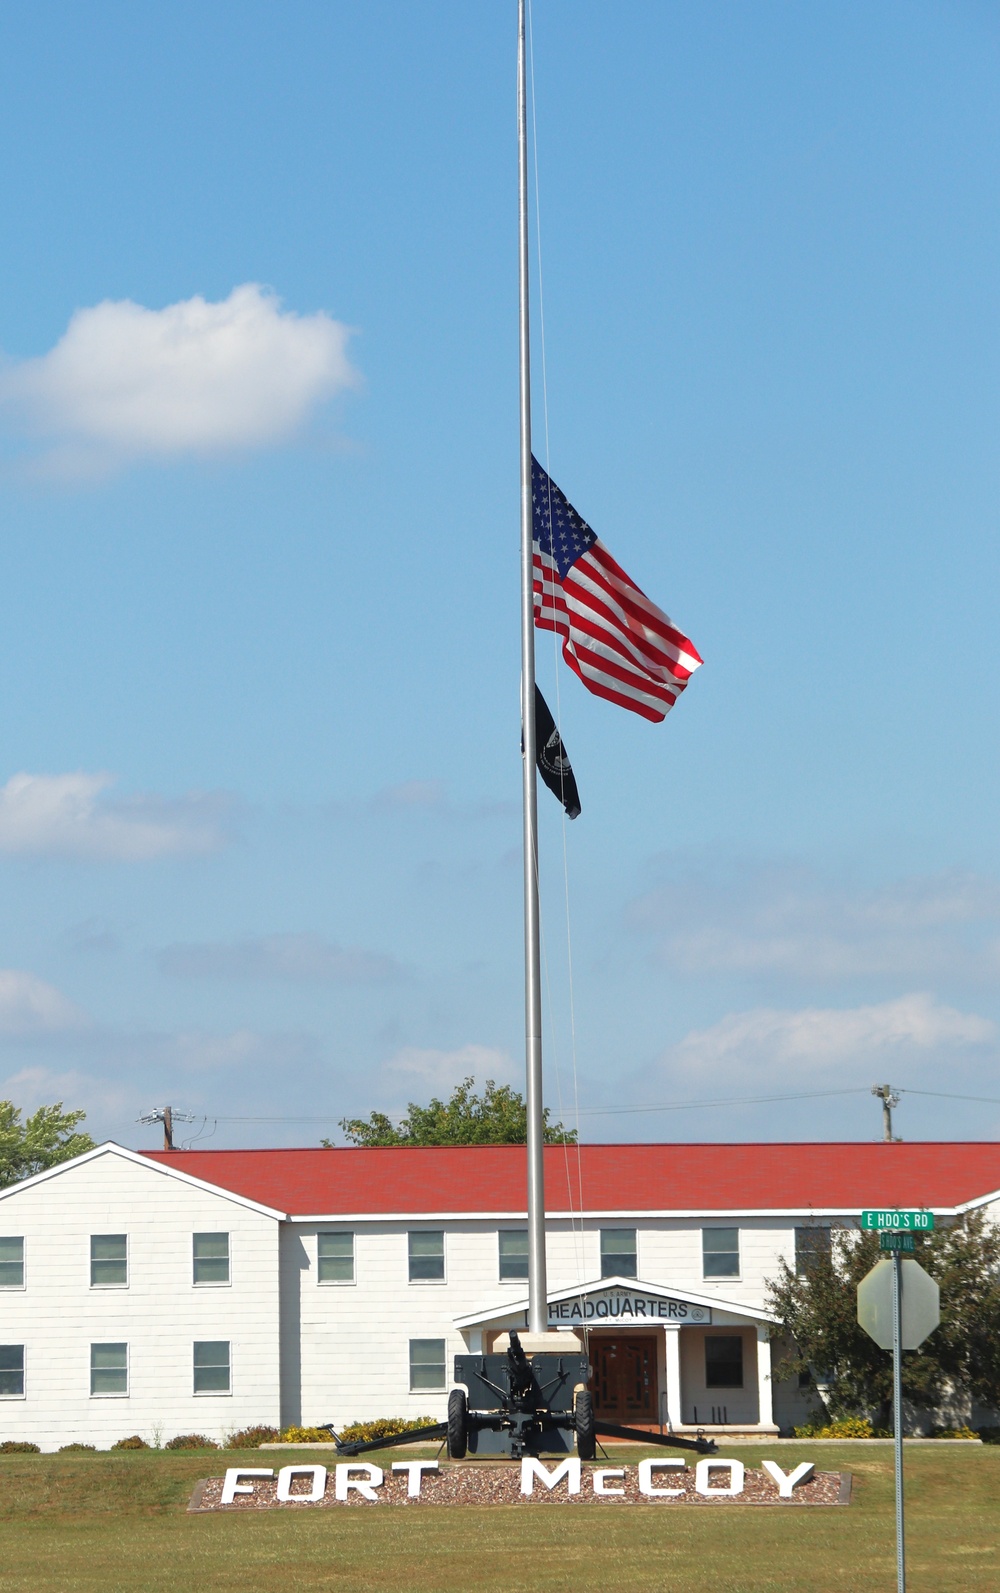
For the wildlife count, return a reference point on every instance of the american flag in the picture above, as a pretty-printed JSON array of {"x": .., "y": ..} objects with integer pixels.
[{"x": 620, "y": 644}]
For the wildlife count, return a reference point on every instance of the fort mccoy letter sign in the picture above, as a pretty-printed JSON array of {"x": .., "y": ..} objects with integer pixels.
[{"x": 714, "y": 1481}]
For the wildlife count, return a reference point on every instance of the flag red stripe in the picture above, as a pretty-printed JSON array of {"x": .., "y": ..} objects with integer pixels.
[{"x": 599, "y": 690}]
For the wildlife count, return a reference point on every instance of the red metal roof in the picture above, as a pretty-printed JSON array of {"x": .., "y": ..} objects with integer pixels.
[{"x": 492, "y": 1178}]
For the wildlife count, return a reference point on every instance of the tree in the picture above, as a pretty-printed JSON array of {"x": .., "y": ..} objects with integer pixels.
[
  {"x": 497, "y": 1117},
  {"x": 45, "y": 1139},
  {"x": 958, "y": 1363}
]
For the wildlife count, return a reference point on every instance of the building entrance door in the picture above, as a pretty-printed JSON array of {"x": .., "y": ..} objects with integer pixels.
[{"x": 624, "y": 1383}]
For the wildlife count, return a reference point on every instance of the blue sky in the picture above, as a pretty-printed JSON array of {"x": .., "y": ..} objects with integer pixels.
[{"x": 258, "y": 484}]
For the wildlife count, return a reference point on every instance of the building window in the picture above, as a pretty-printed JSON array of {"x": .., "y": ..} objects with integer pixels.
[
  {"x": 335, "y": 1257},
  {"x": 109, "y": 1368},
  {"x": 11, "y": 1371},
  {"x": 513, "y": 1255},
  {"x": 720, "y": 1248},
  {"x": 811, "y": 1245},
  {"x": 427, "y": 1257},
  {"x": 11, "y": 1263},
  {"x": 211, "y": 1258},
  {"x": 618, "y": 1253},
  {"x": 211, "y": 1367},
  {"x": 108, "y": 1261},
  {"x": 426, "y": 1365},
  {"x": 723, "y": 1361}
]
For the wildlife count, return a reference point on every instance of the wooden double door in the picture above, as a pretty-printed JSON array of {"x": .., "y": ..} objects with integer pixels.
[{"x": 625, "y": 1382}]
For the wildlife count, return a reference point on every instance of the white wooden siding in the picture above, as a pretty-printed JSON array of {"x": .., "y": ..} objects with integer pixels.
[{"x": 57, "y": 1316}]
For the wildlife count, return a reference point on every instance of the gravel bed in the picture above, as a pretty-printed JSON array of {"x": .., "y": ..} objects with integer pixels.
[{"x": 500, "y": 1484}]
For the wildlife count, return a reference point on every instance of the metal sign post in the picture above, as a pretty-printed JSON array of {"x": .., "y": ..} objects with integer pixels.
[
  {"x": 897, "y": 1412},
  {"x": 898, "y": 1306}
]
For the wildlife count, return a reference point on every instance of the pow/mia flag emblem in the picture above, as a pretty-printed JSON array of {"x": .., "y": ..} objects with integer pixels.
[{"x": 552, "y": 761}]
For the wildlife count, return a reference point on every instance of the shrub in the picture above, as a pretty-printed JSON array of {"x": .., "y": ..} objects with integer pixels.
[
  {"x": 252, "y": 1437},
  {"x": 135, "y": 1442},
  {"x": 12, "y": 1446},
  {"x": 385, "y": 1427},
  {"x": 381, "y": 1427},
  {"x": 77, "y": 1449},
  {"x": 191, "y": 1441},
  {"x": 847, "y": 1427},
  {"x": 953, "y": 1432},
  {"x": 989, "y": 1435}
]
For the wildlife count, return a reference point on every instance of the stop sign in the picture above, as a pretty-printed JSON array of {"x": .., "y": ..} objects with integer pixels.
[{"x": 921, "y": 1304}]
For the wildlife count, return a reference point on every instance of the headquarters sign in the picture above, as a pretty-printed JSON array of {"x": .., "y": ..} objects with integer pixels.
[{"x": 626, "y": 1309}]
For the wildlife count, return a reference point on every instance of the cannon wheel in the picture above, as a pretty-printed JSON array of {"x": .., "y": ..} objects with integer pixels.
[
  {"x": 583, "y": 1416},
  {"x": 458, "y": 1424}
]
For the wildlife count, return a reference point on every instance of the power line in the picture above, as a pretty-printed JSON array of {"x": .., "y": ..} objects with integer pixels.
[
  {"x": 662, "y": 1106},
  {"x": 739, "y": 1100},
  {"x": 947, "y": 1095}
]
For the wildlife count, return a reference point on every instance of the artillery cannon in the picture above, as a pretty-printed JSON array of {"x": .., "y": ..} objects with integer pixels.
[{"x": 519, "y": 1401}]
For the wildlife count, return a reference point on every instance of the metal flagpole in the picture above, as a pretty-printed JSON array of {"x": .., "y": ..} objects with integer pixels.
[
  {"x": 537, "y": 1290},
  {"x": 897, "y": 1411}
]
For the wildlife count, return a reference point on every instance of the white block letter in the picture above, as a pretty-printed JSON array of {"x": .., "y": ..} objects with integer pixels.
[
  {"x": 415, "y": 1468},
  {"x": 599, "y": 1487},
  {"x": 532, "y": 1468},
  {"x": 364, "y": 1486},
  {"x": 316, "y": 1492},
  {"x": 787, "y": 1482},
  {"x": 704, "y": 1469},
  {"x": 232, "y": 1485},
  {"x": 646, "y": 1469}
]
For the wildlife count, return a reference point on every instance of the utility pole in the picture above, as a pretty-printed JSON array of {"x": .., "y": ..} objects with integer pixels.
[
  {"x": 889, "y": 1100},
  {"x": 166, "y": 1116}
]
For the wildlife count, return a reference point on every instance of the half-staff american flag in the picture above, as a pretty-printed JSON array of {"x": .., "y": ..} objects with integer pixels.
[{"x": 620, "y": 644}]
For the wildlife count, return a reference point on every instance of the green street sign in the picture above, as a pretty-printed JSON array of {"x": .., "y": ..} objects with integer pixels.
[
  {"x": 898, "y": 1221},
  {"x": 896, "y": 1241}
]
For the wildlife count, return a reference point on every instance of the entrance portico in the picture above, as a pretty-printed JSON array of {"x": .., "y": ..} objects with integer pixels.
[{"x": 661, "y": 1358}]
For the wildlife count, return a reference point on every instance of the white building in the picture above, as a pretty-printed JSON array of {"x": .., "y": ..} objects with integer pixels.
[{"x": 204, "y": 1291}]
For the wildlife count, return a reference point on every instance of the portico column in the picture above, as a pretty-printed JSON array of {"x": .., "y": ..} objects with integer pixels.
[
  {"x": 765, "y": 1409},
  {"x": 672, "y": 1336}
]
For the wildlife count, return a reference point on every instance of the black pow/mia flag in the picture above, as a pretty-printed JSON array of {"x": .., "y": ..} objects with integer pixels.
[{"x": 551, "y": 759}]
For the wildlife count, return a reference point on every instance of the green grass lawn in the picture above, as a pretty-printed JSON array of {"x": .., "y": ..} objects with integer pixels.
[{"x": 117, "y": 1523}]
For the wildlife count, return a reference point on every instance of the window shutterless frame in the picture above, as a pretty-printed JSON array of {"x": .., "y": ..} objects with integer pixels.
[
  {"x": 210, "y": 1259},
  {"x": 619, "y": 1253},
  {"x": 723, "y": 1360},
  {"x": 720, "y": 1252},
  {"x": 335, "y": 1257},
  {"x": 427, "y": 1365},
  {"x": 513, "y": 1248},
  {"x": 109, "y": 1261},
  {"x": 11, "y": 1262},
  {"x": 213, "y": 1370},
  {"x": 426, "y": 1255},
  {"x": 109, "y": 1371},
  {"x": 11, "y": 1371},
  {"x": 812, "y": 1244}
]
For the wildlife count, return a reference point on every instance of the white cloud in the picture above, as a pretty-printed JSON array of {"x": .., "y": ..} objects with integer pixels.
[
  {"x": 771, "y": 1042},
  {"x": 410, "y": 796},
  {"x": 125, "y": 382},
  {"x": 29, "y": 1006},
  {"x": 788, "y": 922},
  {"x": 65, "y": 815},
  {"x": 297, "y": 958},
  {"x": 442, "y": 1070}
]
